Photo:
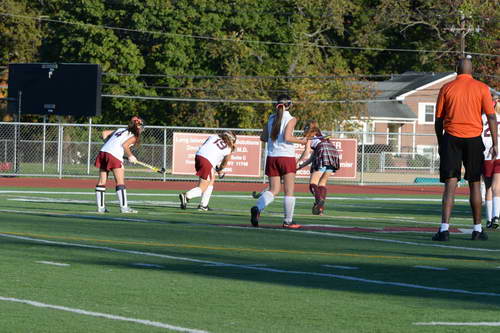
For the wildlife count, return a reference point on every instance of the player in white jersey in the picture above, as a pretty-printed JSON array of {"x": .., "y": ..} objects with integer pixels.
[
  {"x": 211, "y": 157},
  {"x": 110, "y": 158},
  {"x": 280, "y": 162},
  {"x": 491, "y": 175}
]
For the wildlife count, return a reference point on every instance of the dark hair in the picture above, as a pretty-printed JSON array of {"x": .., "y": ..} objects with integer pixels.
[
  {"x": 284, "y": 103},
  {"x": 134, "y": 127},
  {"x": 312, "y": 129}
]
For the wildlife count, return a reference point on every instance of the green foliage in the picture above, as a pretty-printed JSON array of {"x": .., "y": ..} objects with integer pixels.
[
  {"x": 185, "y": 43},
  {"x": 19, "y": 37}
]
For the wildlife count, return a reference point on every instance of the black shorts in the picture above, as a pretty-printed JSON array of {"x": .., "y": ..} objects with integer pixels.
[{"x": 453, "y": 151}]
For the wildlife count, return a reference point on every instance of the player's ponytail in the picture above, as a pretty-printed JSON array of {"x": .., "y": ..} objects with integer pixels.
[
  {"x": 135, "y": 127},
  {"x": 283, "y": 105},
  {"x": 229, "y": 138}
]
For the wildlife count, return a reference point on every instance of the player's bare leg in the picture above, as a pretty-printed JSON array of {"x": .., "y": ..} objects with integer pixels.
[
  {"x": 446, "y": 207},
  {"x": 197, "y": 191},
  {"x": 121, "y": 190},
  {"x": 205, "y": 197}
]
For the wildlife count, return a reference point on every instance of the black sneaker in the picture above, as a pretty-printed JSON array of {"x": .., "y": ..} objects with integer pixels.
[
  {"x": 204, "y": 208},
  {"x": 489, "y": 224},
  {"x": 441, "y": 236},
  {"x": 318, "y": 207},
  {"x": 256, "y": 194},
  {"x": 184, "y": 200},
  {"x": 476, "y": 235},
  {"x": 494, "y": 223},
  {"x": 255, "y": 215}
]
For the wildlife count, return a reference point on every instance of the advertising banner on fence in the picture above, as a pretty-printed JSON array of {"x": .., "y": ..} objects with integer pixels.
[
  {"x": 245, "y": 160},
  {"x": 348, "y": 153}
]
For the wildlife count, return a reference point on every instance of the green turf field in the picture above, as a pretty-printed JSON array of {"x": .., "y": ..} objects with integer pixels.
[{"x": 359, "y": 268}]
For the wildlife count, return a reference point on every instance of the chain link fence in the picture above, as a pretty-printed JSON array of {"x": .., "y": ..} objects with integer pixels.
[{"x": 69, "y": 150}]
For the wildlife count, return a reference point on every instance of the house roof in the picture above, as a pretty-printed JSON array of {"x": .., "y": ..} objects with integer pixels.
[
  {"x": 407, "y": 82},
  {"x": 391, "y": 110},
  {"x": 396, "y": 88}
]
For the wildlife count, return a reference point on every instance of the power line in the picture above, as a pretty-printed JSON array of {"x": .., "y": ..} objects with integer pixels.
[
  {"x": 210, "y": 38},
  {"x": 241, "y": 101}
]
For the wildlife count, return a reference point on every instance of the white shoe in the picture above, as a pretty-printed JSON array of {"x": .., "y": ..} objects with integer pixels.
[
  {"x": 128, "y": 210},
  {"x": 102, "y": 210}
]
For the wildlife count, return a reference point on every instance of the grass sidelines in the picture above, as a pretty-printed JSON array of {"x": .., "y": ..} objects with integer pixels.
[{"x": 366, "y": 266}]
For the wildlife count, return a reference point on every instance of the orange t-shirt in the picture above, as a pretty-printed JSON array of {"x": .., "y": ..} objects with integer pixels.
[{"x": 461, "y": 103}]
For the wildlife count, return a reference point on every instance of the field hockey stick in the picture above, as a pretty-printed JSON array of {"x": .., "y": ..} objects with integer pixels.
[
  {"x": 155, "y": 169},
  {"x": 218, "y": 170}
]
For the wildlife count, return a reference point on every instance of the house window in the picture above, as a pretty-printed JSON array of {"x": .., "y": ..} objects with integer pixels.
[
  {"x": 426, "y": 113},
  {"x": 369, "y": 133}
]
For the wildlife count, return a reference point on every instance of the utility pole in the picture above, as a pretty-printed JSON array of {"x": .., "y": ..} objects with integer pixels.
[
  {"x": 462, "y": 34},
  {"x": 463, "y": 30}
]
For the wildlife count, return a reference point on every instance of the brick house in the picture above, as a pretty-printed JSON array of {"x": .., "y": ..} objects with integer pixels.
[{"x": 405, "y": 111}]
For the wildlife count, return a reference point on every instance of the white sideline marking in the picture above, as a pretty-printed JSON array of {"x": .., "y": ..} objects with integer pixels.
[
  {"x": 52, "y": 263},
  {"x": 327, "y": 234},
  {"x": 442, "y": 323},
  {"x": 140, "y": 264},
  {"x": 102, "y": 315},
  {"x": 341, "y": 267},
  {"x": 244, "y": 196},
  {"x": 262, "y": 269},
  {"x": 432, "y": 268}
]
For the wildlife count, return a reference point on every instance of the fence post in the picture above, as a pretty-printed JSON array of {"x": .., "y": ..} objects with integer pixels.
[
  {"x": 382, "y": 161},
  {"x": 89, "y": 146},
  {"x": 60, "y": 151},
  {"x": 165, "y": 153},
  {"x": 362, "y": 178},
  {"x": 44, "y": 142}
]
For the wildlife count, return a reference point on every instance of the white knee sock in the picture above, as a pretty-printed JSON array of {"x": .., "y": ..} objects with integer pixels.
[
  {"x": 444, "y": 227},
  {"x": 265, "y": 199},
  {"x": 193, "y": 193},
  {"x": 496, "y": 206},
  {"x": 100, "y": 192},
  {"x": 489, "y": 210},
  {"x": 289, "y": 207},
  {"x": 121, "y": 193},
  {"x": 205, "y": 197}
]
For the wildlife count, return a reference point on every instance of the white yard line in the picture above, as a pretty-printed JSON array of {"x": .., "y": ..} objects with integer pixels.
[
  {"x": 140, "y": 264},
  {"x": 432, "y": 268},
  {"x": 249, "y": 196},
  {"x": 262, "y": 269},
  {"x": 341, "y": 267},
  {"x": 101, "y": 315},
  {"x": 443, "y": 323},
  {"x": 52, "y": 263}
]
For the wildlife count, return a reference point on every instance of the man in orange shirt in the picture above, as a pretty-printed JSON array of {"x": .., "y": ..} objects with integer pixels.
[{"x": 458, "y": 129}]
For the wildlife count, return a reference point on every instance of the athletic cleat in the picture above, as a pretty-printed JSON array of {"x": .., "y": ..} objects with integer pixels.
[
  {"x": 255, "y": 215},
  {"x": 494, "y": 223},
  {"x": 128, "y": 210},
  {"x": 476, "y": 235},
  {"x": 291, "y": 225},
  {"x": 204, "y": 208},
  {"x": 489, "y": 224},
  {"x": 102, "y": 210},
  {"x": 441, "y": 236},
  {"x": 184, "y": 200},
  {"x": 318, "y": 207},
  {"x": 256, "y": 194}
]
